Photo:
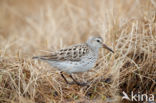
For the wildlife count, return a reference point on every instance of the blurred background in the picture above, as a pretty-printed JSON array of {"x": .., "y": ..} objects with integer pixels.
[
  {"x": 27, "y": 27},
  {"x": 30, "y": 25}
]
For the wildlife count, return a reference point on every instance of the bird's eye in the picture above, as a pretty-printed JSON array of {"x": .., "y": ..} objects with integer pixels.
[{"x": 98, "y": 40}]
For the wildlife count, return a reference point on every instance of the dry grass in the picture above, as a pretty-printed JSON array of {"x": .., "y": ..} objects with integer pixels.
[{"x": 27, "y": 27}]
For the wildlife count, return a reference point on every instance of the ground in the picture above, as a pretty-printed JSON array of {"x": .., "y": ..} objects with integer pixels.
[{"x": 35, "y": 27}]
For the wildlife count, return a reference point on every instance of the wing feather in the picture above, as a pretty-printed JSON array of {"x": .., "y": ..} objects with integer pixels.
[{"x": 73, "y": 53}]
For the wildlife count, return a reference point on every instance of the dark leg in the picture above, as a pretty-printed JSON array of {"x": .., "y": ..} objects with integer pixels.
[
  {"x": 64, "y": 78},
  {"x": 78, "y": 83}
]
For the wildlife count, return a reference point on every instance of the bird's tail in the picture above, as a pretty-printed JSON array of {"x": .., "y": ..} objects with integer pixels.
[
  {"x": 41, "y": 57},
  {"x": 36, "y": 57}
]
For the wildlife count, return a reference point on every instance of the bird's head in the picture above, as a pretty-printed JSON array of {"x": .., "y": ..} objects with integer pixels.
[{"x": 97, "y": 42}]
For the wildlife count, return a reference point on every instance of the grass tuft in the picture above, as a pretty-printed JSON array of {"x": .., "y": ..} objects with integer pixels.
[{"x": 30, "y": 28}]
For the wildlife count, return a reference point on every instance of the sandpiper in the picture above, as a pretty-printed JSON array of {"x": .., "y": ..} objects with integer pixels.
[{"x": 76, "y": 58}]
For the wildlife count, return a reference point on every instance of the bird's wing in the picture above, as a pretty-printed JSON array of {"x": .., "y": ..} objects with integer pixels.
[{"x": 73, "y": 53}]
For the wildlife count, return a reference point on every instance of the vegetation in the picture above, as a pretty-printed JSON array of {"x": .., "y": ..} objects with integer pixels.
[{"x": 33, "y": 27}]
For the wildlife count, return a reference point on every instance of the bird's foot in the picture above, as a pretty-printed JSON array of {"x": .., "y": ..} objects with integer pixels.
[
  {"x": 82, "y": 84},
  {"x": 70, "y": 83}
]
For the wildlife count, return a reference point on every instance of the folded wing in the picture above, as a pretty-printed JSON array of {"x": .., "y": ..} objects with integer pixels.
[{"x": 73, "y": 53}]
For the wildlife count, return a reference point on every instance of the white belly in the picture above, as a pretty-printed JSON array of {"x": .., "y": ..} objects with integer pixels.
[{"x": 73, "y": 67}]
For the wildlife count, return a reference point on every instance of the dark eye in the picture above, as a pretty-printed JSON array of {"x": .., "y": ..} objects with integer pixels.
[{"x": 98, "y": 40}]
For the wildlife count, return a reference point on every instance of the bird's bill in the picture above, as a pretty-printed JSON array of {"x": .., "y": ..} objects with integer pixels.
[{"x": 106, "y": 47}]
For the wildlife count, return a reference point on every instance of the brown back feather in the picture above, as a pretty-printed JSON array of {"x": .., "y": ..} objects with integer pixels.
[{"x": 73, "y": 53}]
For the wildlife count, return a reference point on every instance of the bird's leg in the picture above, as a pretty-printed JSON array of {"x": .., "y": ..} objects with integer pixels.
[
  {"x": 78, "y": 83},
  {"x": 65, "y": 78}
]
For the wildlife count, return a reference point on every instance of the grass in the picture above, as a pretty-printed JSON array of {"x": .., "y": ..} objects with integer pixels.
[{"x": 30, "y": 28}]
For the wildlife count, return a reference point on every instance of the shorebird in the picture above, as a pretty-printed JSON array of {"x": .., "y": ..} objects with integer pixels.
[{"x": 76, "y": 58}]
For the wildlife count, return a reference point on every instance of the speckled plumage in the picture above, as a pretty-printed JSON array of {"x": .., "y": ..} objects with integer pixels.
[
  {"x": 73, "y": 53},
  {"x": 76, "y": 58}
]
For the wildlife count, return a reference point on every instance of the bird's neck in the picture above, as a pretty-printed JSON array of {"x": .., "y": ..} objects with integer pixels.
[{"x": 95, "y": 50}]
